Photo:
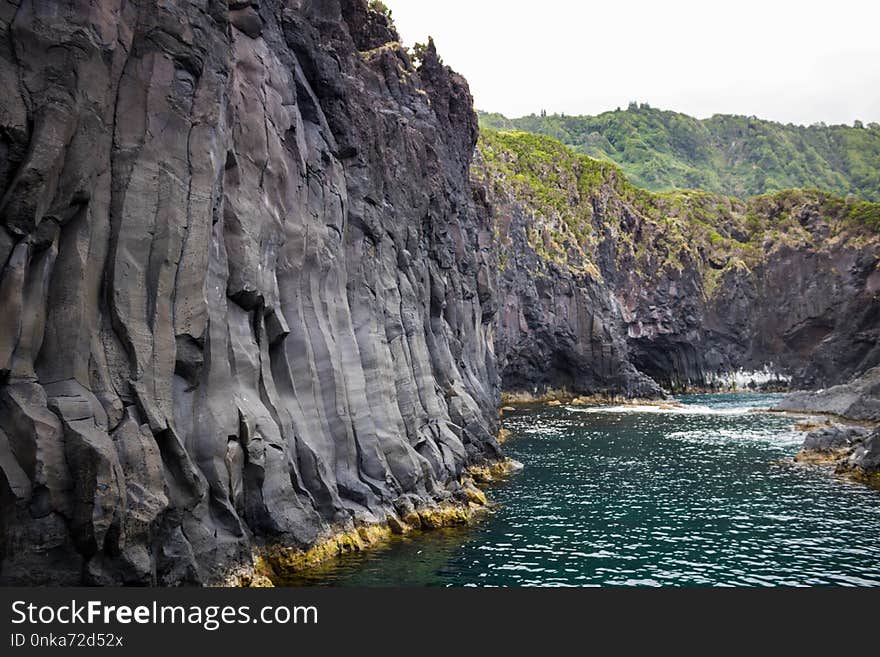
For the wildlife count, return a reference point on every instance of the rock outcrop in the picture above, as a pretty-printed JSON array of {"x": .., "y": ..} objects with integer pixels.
[
  {"x": 866, "y": 458},
  {"x": 854, "y": 450},
  {"x": 607, "y": 288},
  {"x": 834, "y": 438},
  {"x": 858, "y": 399},
  {"x": 246, "y": 291}
]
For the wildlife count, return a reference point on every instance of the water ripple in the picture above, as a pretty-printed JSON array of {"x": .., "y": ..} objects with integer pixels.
[{"x": 621, "y": 496}]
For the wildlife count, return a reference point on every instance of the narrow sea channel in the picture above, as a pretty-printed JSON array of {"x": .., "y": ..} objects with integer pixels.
[{"x": 700, "y": 495}]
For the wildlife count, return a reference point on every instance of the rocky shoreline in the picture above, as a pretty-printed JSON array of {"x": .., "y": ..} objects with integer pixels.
[
  {"x": 851, "y": 451},
  {"x": 847, "y": 445},
  {"x": 276, "y": 564},
  {"x": 847, "y": 437},
  {"x": 568, "y": 397}
]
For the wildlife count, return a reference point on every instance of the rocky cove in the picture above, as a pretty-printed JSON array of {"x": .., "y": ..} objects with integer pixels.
[
  {"x": 699, "y": 491},
  {"x": 263, "y": 282}
]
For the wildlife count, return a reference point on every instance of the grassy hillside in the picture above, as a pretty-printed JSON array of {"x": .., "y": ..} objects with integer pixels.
[
  {"x": 563, "y": 188},
  {"x": 732, "y": 155}
]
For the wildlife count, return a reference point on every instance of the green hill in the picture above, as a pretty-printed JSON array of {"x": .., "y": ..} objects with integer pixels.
[{"x": 733, "y": 155}]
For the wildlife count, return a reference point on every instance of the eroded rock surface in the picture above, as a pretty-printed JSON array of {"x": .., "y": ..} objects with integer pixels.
[
  {"x": 558, "y": 327},
  {"x": 866, "y": 456},
  {"x": 606, "y": 288},
  {"x": 859, "y": 399},
  {"x": 247, "y": 293},
  {"x": 834, "y": 438}
]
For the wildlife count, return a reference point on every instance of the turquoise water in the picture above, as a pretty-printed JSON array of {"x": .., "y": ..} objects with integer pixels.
[{"x": 704, "y": 495}]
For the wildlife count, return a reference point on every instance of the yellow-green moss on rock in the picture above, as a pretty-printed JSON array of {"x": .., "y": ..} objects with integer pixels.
[
  {"x": 277, "y": 561},
  {"x": 485, "y": 474},
  {"x": 838, "y": 460},
  {"x": 274, "y": 564},
  {"x": 867, "y": 477},
  {"x": 814, "y": 457}
]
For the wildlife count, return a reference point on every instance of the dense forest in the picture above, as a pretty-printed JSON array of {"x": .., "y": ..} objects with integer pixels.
[{"x": 734, "y": 155}]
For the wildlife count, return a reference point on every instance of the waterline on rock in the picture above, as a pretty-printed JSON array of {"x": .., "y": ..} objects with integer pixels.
[{"x": 647, "y": 499}]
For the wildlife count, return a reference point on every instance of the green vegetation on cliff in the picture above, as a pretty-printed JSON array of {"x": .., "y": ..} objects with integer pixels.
[
  {"x": 732, "y": 155},
  {"x": 577, "y": 202}
]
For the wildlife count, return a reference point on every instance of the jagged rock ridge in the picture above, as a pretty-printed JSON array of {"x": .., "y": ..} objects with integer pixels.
[{"x": 247, "y": 294}]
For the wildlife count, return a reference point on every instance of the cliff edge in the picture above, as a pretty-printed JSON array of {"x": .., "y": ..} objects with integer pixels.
[{"x": 246, "y": 289}]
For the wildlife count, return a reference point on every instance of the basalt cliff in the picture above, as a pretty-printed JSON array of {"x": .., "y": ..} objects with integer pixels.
[
  {"x": 246, "y": 291},
  {"x": 604, "y": 287},
  {"x": 259, "y": 289}
]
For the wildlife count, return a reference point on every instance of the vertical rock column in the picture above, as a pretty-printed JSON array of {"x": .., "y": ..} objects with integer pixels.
[{"x": 244, "y": 296}]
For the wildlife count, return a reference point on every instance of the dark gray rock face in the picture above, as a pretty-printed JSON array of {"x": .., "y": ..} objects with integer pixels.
[
  {"x": 246, "y": 290},
  {"x": 834, "y": 438},
  {"x": 558, "y": 329},
  {"x": 816, "y": 309},
  {"x": 866, "y": 455},
  {"x": 858, "y": 400},
  {"x": 805, "y": 315},
  {"x": 608, "y": 289}
]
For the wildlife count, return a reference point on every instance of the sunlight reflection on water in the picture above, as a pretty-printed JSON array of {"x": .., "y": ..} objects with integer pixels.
[{"x": 705, "y": 495}]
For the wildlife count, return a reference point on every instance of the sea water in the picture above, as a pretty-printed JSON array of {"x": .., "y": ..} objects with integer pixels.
[{"x": 703, "y": 494}]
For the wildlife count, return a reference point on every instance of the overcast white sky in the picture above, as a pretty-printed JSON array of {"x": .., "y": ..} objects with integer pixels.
[{"x": 798, "y": 62}]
